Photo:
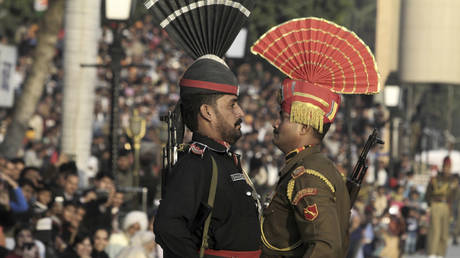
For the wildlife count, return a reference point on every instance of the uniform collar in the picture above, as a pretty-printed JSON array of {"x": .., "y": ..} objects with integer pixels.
[
  {"x": 294, "y": 152},
  {"x": 297, "y": 159},
  {"x": 210, "y": 143}
]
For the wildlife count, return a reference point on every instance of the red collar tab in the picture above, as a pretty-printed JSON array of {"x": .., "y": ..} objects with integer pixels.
[
  {"x": 294, "y": 152},
  {"x": 225, "y": 144},
  {"x": 228, "y": 253},
  {"x": 196, "y": 149}
]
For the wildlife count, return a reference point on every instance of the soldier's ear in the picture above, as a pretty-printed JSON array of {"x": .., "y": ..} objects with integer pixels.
[
  {"x": 304, "y": 129},
  {"x": 206, "y": 112}
]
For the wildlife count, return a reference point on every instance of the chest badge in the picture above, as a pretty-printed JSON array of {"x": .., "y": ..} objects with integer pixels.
[
  {"x": 311, "y": 212},
  {"x": 237, "y": 177}
]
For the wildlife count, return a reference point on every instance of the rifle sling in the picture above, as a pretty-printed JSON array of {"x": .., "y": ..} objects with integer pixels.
[{"x": 211, "y": 197}]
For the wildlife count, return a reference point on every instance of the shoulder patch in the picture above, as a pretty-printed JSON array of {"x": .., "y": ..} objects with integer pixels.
[
  {"x": 311, "y": 212},
  {"x": 195, "y": 149},
  {"x": 298, "y": 172},
  {"x": 304, "y": 193},
  {"x": 183, "y": 147}
]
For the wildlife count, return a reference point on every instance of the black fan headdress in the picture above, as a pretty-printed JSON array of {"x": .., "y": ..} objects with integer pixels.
[{"x": 205, "y": 30}]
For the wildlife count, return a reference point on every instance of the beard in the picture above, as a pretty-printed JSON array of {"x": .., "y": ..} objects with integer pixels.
[{"x": 229, "y": 132}]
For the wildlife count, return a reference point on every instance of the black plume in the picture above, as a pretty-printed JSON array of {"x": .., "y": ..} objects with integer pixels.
[{"x": 201, "y": 27}]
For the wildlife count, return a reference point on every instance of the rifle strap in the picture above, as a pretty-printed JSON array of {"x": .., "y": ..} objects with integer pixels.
[{"x": 211, "y": 197}]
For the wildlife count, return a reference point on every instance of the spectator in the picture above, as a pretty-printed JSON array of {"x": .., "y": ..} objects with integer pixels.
[
  {"x": 10, "y": 169},
  {"x": 134, "y": 221},
  {"x": 117, "y": 202},
  {"x": 28, "y": 190},
  {"x": 7, "y": 219},
  {"x": 381, "y": 201},
  {"x": 100, "y": 241},
  {"x": 19, "y": 165},
  {"x": 142, "y": 246},
  {"x": 44, "y": 198},
  {"x": 25, "y": 246},
  {"x": 99, "y": 208},
  {"x": 18, "y": 203},
  {"x": 81, "y": 248},
  {"x": 382, "y": 174},
  {"x": 69, "y": 191},
  {"x": 73, "y": 214},
  {"x": 124, "y": 174},
  {"x": 33, "y": 174},
  {"x": 412, "y": 228},
  {"x": 60, "y": 179}
]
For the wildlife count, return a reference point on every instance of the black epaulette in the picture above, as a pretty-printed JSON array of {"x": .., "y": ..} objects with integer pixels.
[{"x": 183, "y": 147}]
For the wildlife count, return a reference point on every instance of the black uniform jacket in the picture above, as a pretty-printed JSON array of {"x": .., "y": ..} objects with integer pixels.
[{"x": 234, "y": 224}]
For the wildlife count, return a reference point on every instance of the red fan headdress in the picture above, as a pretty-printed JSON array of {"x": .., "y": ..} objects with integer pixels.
[{"x": 321, "y": 59}]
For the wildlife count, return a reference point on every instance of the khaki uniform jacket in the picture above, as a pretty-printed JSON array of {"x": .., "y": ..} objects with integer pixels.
[
  {"x": 441, "y": 189},
  {"x": 309, "y": 214}
]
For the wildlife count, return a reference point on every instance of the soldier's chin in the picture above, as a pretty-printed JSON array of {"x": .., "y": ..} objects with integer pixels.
[{"x": 234, "y": 138}]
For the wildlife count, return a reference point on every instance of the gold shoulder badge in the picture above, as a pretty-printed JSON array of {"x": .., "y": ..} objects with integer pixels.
[
  {"x": 304, "y": 193},
  {"x": 290, "y": 189},
  {"x": 298, "y": 172},
  {"x": 311, "y": 212},
  {"x": 182, "y": 147}
]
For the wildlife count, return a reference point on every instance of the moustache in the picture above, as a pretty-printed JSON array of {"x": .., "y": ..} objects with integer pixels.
[
  {"x": 275, "y": 131},
  {"x": 238, "y": 122}
]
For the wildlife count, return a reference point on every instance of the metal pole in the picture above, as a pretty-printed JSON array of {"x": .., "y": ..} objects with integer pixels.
[
  {"x": 450, "y": 107},
  {"x": 390, "y": 161},
  {"x": 116, "y": 54},
  {"x": 144, "y": 198},
  {"x": 137, "y": 147}
]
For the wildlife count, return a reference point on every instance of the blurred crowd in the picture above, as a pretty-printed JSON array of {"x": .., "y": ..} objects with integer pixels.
[{"x": 47, "y": 210}]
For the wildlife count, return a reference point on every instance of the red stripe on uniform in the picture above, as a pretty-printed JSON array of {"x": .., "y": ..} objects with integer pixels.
[
  {"x": 239, "y": 254},
  {"x": 226, "y": 88}
]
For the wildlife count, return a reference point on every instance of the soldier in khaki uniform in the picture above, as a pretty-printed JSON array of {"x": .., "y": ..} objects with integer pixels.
[
  {"x": 309, "y": 213},
  {"x": 455, "y": 209},
  {"x": 439, "y": 195}
]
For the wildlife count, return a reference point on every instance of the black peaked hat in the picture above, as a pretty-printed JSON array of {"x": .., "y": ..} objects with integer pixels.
[{"x": 205, "y": 30}]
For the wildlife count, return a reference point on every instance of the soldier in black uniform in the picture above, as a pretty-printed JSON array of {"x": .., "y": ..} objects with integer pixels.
[
  {"x": 234, "y": 224},
  {"x": 209, "y": 106}
]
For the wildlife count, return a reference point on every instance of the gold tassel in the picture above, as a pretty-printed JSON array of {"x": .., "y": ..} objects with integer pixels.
[{"x": 307, "y": 114}]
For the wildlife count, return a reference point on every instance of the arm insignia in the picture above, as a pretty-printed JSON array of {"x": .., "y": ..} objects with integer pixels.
[
  {"x": 311, "y": 212},
  {"x": 304, "y": 193}
]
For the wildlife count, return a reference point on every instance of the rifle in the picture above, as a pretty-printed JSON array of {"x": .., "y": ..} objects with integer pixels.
[
  {"x": 359, "y": 171},
  {"x": 175, "y": 136}
]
